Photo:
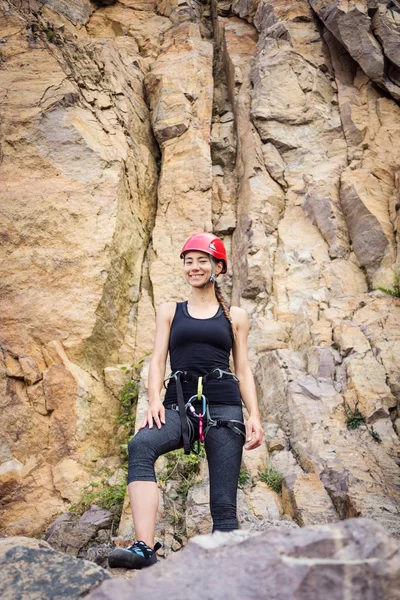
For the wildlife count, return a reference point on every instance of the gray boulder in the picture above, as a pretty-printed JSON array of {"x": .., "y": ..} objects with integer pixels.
[
  {"x": 44, "y": 574},
  {"x": 354, "y": 559}
]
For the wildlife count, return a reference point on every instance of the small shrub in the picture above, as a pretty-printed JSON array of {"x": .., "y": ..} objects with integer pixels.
[
  {"x": 273, "y": 478},
  {"x": 110, "y": 496},
  {"x": 129, "y": 397},
  {"x": 183, "y": 468},
  {"x": 354, "y": 418},
  {"x": 244, "y": 478},
  {"x": 395, "y": 290},
  {"x": 49, "y": 33},
  {"x": 374, "y": 434}
]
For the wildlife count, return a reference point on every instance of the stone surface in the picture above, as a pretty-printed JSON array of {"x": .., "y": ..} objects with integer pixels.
[
  {"x": 7, "y": 543},
  {"x": 39, "y": 573},
  {"x": 351, "y": 23},
  {"x": 70, "y": 533},
  {"x": 356, "y": 558},
  {"x": 78, "y": 207},
  {"x": 126, "y": 127},
  {"x": 306, "y": 500},
  {"x": 179, "y": 86}
]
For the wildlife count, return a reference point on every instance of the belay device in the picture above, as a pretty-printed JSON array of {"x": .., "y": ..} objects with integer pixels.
[{"x": 190, "y": 419}]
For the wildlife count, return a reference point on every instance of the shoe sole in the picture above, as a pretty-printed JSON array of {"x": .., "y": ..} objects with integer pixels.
[{"x": 124, "y": 559}]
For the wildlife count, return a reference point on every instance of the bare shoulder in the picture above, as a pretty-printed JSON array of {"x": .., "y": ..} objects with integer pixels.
[
  {"x": 166, "y": 310},
  {"x": 239, "y": 316}
]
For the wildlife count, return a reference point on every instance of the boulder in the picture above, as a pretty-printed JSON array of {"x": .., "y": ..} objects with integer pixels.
[
  {"x": 355, "y": 559},
  {"x": 42, "y": 574},
  {"x": 71, "y": 534}
]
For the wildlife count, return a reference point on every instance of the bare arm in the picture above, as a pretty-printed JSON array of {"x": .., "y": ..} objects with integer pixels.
[
  {"x": 156, "y": 409},
  {"x": 254, "y": 431}
]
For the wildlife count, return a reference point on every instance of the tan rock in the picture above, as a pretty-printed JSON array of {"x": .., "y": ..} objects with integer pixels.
[
  {"x": 70, "y": 479},
  {"x": 351, "y": 24},
  {"x": 271, "y": 135},
  {"x": 274, "y": 163},
  {"x": 263, "y": 502},
  {"x": 197, "y": 518},
  {"x": 357, "y": 471},
  {"x": 285, "y": 463},
  {"x": 116, "y": 377},
  {"x": 306, "y": 500},
  {"x": 78, "y": 208},
  {"x": 255, "y": 460},
  {"x": 367, "y": 377},
  {"x": 349, "y": 337},
  {"x": 321, "y": 363},
  {"x": 13, "y": 366},
  {"x": 182, "y": 74},
  {"x": 19, "y": 540},
  {"x": 366, "y": 210}
]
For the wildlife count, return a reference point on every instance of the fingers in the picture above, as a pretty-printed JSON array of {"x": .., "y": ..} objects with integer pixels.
[
  {"x": 144, "y": 423},
  {"x": 254, "y": 435},
  {"x": 253, "y": 444},
  {"x": 154, "y": 415}
]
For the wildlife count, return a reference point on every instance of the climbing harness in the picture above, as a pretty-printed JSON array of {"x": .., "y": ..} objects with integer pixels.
[{"x": 190, "y": 419}]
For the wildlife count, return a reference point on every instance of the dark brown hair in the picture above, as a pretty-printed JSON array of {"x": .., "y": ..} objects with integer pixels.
[{"x": 224, "y": 305}]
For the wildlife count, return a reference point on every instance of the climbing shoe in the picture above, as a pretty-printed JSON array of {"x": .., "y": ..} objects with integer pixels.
[{"x": 137, "y": 556}]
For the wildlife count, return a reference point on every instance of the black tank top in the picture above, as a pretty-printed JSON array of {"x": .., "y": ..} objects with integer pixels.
[{"x": 198, "y": 346}]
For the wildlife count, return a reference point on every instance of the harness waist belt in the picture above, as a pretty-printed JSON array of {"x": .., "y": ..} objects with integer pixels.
[{"x": 188, "y": 377}]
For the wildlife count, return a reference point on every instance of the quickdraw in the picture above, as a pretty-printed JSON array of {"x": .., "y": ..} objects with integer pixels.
[{"x": 188, "y": 414}]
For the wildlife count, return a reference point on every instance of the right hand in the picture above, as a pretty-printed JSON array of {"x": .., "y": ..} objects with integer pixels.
[{"x": 155, "y": 413}]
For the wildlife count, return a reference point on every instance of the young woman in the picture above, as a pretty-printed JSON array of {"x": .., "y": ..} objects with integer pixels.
[{"x": 203, "y": 399}]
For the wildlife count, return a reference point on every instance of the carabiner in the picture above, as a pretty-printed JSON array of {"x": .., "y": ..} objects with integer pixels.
[{"x": 190, "y": 407}]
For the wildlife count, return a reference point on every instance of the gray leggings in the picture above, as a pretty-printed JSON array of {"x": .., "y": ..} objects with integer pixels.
[{"x": 224, "y": 455}]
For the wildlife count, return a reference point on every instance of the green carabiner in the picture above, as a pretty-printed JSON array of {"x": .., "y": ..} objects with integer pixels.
[{"x": 199, "y": 388}]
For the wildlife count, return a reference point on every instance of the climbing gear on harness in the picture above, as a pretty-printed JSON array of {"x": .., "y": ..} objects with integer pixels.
[
  {"x": 188, "y": 415},
  {"x": 210, "y": 244},
  {"x": 137, "y": 556}
]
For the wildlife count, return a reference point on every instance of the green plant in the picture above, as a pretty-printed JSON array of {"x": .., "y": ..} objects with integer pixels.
[
  {"x": 374, "y": 434},
  {"x": 244, "y": 478},
  {"x": 395, "y": 290},
  {"x": 49, "y": 33},
  {"x": 183, "y": 468},
  {"x": 354, "y": 418},
  {"x": 273, "y": 478},
  {"x": 128, "y": 398},
  {"x": 110, "y": 496},
  {"x": 102, "y": 493}
]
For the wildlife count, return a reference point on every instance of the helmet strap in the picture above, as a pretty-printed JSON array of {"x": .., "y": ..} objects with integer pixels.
[{"x": 213, "y": 276}]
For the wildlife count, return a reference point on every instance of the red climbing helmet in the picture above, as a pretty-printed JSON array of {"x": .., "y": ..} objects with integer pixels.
[{"x": 209, "y": 243}]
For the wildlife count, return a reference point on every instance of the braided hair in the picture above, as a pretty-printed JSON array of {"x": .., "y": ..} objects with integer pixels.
[{"x": 224, "y": 305}]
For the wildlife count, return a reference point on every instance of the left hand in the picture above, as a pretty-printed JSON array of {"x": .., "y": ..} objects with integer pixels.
[{"x": 254, "y": 433}]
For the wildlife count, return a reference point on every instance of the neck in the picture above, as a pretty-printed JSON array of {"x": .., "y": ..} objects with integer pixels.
[{"x": 203, "y": 295}]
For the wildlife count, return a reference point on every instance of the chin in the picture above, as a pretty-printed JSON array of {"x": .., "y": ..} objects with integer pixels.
[{"x": 196, "y": 284}]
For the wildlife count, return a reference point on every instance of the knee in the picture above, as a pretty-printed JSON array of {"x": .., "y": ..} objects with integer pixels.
[
  {"x": 142, "y": 457},
  {"x": 139, "y": 448}
]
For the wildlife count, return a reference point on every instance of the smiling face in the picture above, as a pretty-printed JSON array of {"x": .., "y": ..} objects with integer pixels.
[{"x": 197, "y": 268}]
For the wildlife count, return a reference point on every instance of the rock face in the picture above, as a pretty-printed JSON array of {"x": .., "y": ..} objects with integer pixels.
[
  {"x": 126, "y": 127},
  {"x": 355, "y": 559},
  {"x": 39, "y": 573}
]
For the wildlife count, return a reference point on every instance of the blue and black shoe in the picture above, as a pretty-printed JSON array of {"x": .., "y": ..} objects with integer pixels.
[{"x": 137, "y": 556}]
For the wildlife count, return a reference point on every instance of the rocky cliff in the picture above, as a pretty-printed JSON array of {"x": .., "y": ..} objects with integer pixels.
[{"x": 128, "y": 125}]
